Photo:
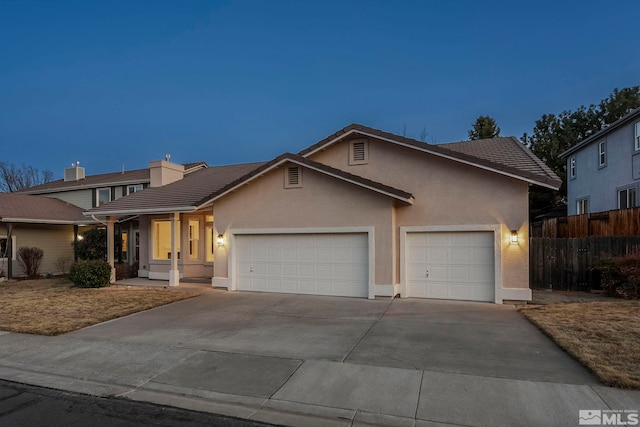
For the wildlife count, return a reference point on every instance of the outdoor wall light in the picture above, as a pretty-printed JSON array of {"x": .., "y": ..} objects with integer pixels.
[
  {"x": 220, "y": 240},
  {"x": 80, "y": 237},
  {"x": 514, "y": 237}
]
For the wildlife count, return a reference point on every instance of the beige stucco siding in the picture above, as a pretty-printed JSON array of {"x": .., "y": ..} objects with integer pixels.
[
  {"x": 321, "y": 202},
  {"x": 54, "y": 240},
  {"x": 447, "y": 193}
]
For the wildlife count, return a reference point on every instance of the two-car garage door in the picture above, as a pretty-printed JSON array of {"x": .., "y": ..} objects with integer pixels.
[
  {"x": 451, "y": 265},
  {"x": 318, "y": 264}
]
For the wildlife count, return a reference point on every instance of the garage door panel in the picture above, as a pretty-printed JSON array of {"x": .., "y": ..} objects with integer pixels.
[
  {"x": 319, "y": 264},
  {"x": 460, "y": 265}
]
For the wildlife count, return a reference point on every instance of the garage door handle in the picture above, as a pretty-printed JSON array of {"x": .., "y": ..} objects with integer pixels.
[
  {"x": 250, "y": 269},
  {"x": 426, "y": 274}
]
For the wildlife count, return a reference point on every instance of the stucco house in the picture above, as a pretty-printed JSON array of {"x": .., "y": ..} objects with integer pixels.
[
  {"x": 362, "y": 213},
  {"x": 47, "y": 223},
  {"x": 603, "y": 170}
]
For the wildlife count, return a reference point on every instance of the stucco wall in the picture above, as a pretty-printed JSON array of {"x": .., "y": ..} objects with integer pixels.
[
  {"x": 54, "y": 240},
  {"x": 600, "y": 185},
  {"x": 322, "y": 201},
  {"x": 447, "y": 193}
]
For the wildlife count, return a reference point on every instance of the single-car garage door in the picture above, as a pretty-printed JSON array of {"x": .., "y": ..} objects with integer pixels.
[
  {"x": 451, "y": 265},
  {"x": 316, "y": 264}
]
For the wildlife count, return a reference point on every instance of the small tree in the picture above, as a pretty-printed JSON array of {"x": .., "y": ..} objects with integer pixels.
[
  {"x": 484, "y": 127},
  {"x": 30, "y": 259},
  {"x": 92, "y": 245}
]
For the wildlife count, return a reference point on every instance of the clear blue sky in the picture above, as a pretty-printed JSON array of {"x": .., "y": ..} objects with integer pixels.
[{"x": 112, "y": 82}]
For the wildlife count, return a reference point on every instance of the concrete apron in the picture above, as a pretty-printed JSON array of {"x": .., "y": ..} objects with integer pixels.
[{"x": 287, "y": 390}]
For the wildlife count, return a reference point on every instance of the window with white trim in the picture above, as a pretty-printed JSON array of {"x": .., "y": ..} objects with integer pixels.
[
  {"x": 602, "y": 153},
  {"x": 162, "y": 239},
  {"x": 293, "y": 177},
  {"x": 637, "y": 136},
  {"x": 582, "y": 206},
  {"x": 627, "y": 198},
  {"x": 134, "y": 188},
  {"x": 358, "y": 152},
  {"x": 572, "y": 167},
  {"x": 4, "y": 248},
  {"x": 194, "y": 238},
  {"x": 103, "y": 195}
]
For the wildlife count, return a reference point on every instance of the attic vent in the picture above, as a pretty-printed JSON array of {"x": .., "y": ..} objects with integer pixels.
[
  {"x": 293, "y": 177},
  {"x": 358, "y": 152}
]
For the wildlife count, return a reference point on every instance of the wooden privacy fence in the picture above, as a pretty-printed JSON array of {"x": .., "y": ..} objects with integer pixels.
[
  {"x": 621, "y": 222},
  {"x": 569, "y": 263}
]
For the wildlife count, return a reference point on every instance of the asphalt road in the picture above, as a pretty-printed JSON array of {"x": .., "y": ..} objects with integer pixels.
[{"x": 24, "y": 405}]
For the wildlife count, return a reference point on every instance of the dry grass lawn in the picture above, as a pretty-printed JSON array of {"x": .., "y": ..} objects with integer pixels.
[
  {"x": 53, "y": 306},
  {"x": 603, "y": 336}
]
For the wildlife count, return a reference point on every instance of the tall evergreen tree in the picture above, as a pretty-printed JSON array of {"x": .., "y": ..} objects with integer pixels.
[{"x": 484, "y": 127}]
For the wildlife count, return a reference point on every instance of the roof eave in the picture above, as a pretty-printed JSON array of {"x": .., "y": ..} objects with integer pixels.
[
  {"x": 47, "y": 221},
  {"x": 148, "y": 211}
]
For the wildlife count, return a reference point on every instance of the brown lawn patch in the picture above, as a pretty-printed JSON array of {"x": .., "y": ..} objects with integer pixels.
[
  {"x": 53, "y": 306},
  {"x": 603, "y": 336}
]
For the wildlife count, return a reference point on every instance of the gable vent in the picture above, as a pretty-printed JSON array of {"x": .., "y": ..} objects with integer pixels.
[
  {"x": 293, "y": 177},
  {"x": 358, "y": 152}
]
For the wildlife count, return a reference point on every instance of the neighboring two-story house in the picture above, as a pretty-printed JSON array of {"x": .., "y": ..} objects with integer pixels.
[
  {"x": 603, "y": 171},
  {"x": 32, "y": 220}
]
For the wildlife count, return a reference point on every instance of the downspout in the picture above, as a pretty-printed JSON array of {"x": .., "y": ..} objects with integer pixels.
[{"x": 9, "y": 254}]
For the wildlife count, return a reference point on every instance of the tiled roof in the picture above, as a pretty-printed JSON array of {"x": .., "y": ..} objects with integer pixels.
[
  {"x": 503, "y": 155},
  {"x": 92, "y": 181},
  {"x": 182, "y": 195},
  {"x": 39, "y": 209},
  {"x": 633, "y": 115}
]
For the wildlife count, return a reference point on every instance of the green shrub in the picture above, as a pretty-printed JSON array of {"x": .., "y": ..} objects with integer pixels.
[
  {"x": 620, "y": 276},
  {"x": 90, "y": 274},
  {"x": 93, "y": 244},
  {"x": 30, "y": 259}
]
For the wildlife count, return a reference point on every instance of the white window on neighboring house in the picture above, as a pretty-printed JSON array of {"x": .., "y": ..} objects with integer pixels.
[
  {"x": 582, "y": 206},
  {"x": 358, "y": 152},
  {"x": 103, "y": 195},
  {"x": 4, "y": 248},
  {"x": 134, "y": 188},
  {"x": 293, "y": 177},
  {"x": 162, "y": 239},
  {"x": 627, "y": 198},
  {"x": 194, "y": 238},
  {"x": 602, "y": 153},
  {"x": 572, "y": 167},
  {"x": 637, "y": 136}
]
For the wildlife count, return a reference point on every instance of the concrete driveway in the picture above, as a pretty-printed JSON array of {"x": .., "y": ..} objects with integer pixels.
[{"x": 308, "y": 360}]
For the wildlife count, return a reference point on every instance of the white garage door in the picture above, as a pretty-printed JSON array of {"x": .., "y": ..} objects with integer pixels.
[
  {"x": 316, "y": 264},
  {"x": 451, "y": 265}
]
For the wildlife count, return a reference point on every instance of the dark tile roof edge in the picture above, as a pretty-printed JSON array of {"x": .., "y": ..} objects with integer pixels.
[
  {"x": 355, "y": 179},
  {"x": 633, "y": 114},
  {"x": 549, "y": 181}
]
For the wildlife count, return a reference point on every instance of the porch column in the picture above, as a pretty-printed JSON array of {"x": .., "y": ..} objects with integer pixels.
[
  {"x": 75, "y": 243},
  {"x": 174, "y": 273},
  {"x": 111, "y": 247},
  {"x": 10, "y": 250}
]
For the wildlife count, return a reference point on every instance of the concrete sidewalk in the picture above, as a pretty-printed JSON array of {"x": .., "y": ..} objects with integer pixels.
[{"x": 229, "y": 353}]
